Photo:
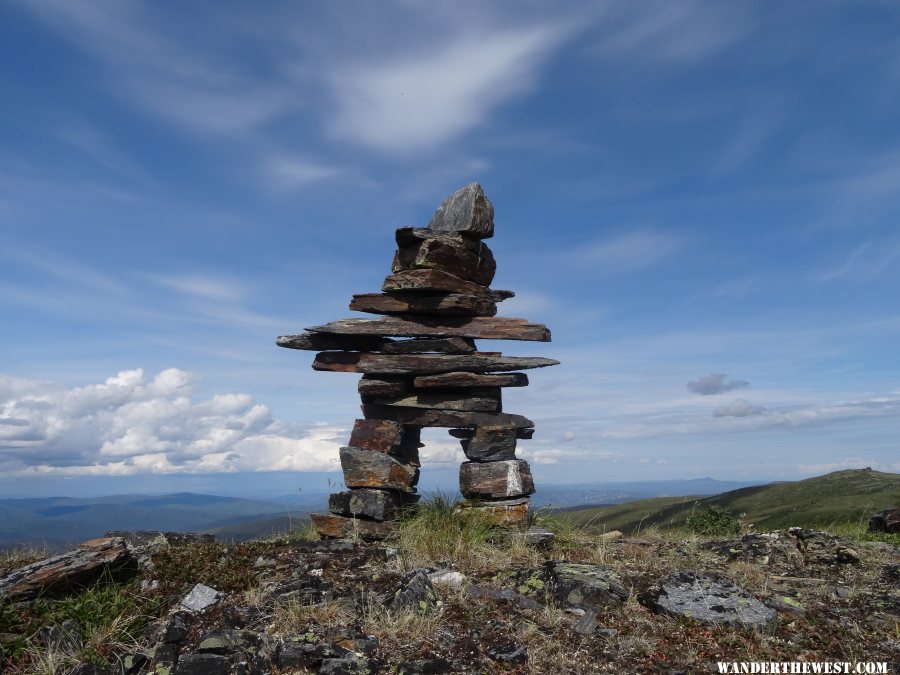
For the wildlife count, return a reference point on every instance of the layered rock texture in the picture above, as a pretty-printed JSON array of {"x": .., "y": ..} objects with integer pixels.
[{"x": 421, "y": 368}]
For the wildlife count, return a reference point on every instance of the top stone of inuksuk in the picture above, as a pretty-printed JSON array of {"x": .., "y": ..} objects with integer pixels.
[{"x": 420, "y": 368}]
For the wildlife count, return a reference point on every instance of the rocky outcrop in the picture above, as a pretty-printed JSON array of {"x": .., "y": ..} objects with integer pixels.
[
  {"x": 70, "y": 571},
  {"x": 885, "y": 521},
  {"x": 709, "y": 598}
]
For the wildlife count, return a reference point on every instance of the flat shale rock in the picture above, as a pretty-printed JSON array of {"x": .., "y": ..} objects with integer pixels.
[
  {"x": 369, "y": 503},
  {"x": 332, "y": 526},
  {"x": 383, "y": 385},
  {"x": 709, "y": 598},
  {"x": 376, "y": 435},
  {"x": 364, "y": 468},
  {"x": 451, "y": 345},
  {"x": 201, "y": 598},
  {"x": 495, "y": 480},
  {"x": 482, "y": 401},
  {"x": 438, "y": 281},
  {"x": 505, "y": 512},
  {"x": 464, "y": 380},
  {"x": 67, "y": 572},
  {"x": 466, "y": 210},
  {"x": 449, "y": 253},
  {"x": 319, "y": 342},
  {"x": 583, "y": 586},
  {"x": 422, "y": 417},
  {"x": 496, "y": 327},
  {"x": 450, "y": 304},
  {"x": 522, "y": 433},
  {"x": 491, "y": 443},
  {"x": 422, "y": 364}
]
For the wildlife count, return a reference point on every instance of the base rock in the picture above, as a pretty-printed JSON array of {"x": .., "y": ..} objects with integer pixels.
[{"x": 709, "y": 598}]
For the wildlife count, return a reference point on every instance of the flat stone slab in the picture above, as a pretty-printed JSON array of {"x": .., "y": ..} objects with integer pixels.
[
  {"x": 424, "y": 364},
  {"x": 712, "y": 599},
  {"x": 67, "y": 572},
  {"x": 496, "y": 327},
  {"x": 511, "y": 513},
  {"x": 332, "y": 526},
  {"x": 449, "y": 304},
  {"x": 465, "y": 380},
  {"x": 439, "y": 281},
  {"x": 423, "y": 417},
  {"x": 585, "y": 586},
  {"x": 201, "y": 598}
]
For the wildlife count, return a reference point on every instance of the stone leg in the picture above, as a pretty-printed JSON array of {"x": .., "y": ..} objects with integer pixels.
[
  {"x": 493, "y": 480},
  {"x": 381, "y": 470}
]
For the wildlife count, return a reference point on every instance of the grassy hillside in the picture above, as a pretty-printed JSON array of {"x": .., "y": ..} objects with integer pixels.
[{"x": 840, "y": 497}]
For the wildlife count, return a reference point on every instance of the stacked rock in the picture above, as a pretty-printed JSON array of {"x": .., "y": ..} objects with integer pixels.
[{"x": 438, "y": 298}]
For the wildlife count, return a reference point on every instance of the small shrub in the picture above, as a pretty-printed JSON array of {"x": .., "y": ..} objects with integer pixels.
[{"x": 714, "y": 522}]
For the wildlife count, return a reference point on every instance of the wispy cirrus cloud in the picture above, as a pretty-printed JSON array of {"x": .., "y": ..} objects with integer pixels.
[
  {"x": 672, "y": 32},
  {"x": 630, "y": 251},
  {"x": 421, "y": 100},
  {"x": 739, "y": 408}
]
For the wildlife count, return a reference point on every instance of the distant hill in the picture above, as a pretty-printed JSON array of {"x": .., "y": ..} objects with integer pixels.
[
  {"x": 59, "y": 521},
  {"x": 840, "y": 497},
  {"x": 584, "y": 494}
]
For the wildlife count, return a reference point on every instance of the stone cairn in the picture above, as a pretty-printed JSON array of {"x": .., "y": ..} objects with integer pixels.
[{"x": 438, "y": 298}]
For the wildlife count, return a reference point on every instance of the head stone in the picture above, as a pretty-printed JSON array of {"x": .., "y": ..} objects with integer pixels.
[{"x": 466, "y": 210}]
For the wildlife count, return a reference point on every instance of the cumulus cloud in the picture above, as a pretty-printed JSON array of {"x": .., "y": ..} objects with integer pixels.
[
  {"x": 132, "y": 424},
  {"x": 715, "y": 383},
  {"x": 740, "y": 408}
]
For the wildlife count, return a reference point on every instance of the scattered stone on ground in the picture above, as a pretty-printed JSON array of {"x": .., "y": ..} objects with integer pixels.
[
  {"x": 70, "y": 571},
  {"x": 201, "y": 598},
  {"x": 415, "y": 592},
  {"x": 885, "y": 521},
  {"x": 501, "y": 620},
  {"x": 709, "y": 598},
  {"x": 584, "y": 586}
]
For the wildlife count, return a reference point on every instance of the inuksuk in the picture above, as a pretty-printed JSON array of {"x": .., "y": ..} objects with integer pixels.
[{"x": 420, "y": 368}]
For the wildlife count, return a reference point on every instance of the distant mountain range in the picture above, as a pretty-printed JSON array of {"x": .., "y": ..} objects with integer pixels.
[
  {"x": 59, "y": 522},
  {"x": 841, "y": 497},
  {"x": 593, "y": 494}
]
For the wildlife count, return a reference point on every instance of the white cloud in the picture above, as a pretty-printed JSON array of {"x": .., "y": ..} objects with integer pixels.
[
  {"x": 739, "y": 408},
  {"x": 290, "y": 172},
  {"x": 673, "y": 31},
  {"x": 424, "y": 99},
  {"x": 205, "y": 286},
  {"x": 168, "y": 67},
  {"x": 629, "y": 252},
  {"x": 131, "y": 425}
]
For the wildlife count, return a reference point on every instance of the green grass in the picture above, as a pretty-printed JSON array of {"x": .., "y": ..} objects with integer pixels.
[
  {"x": 825, "y": 502},
  {"x": 436, "y": 531},
  {"x": 110, "y": 615}
]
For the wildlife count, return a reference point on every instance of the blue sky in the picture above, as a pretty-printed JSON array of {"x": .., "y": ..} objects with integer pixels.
[{"x": 700, "y": 199}]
